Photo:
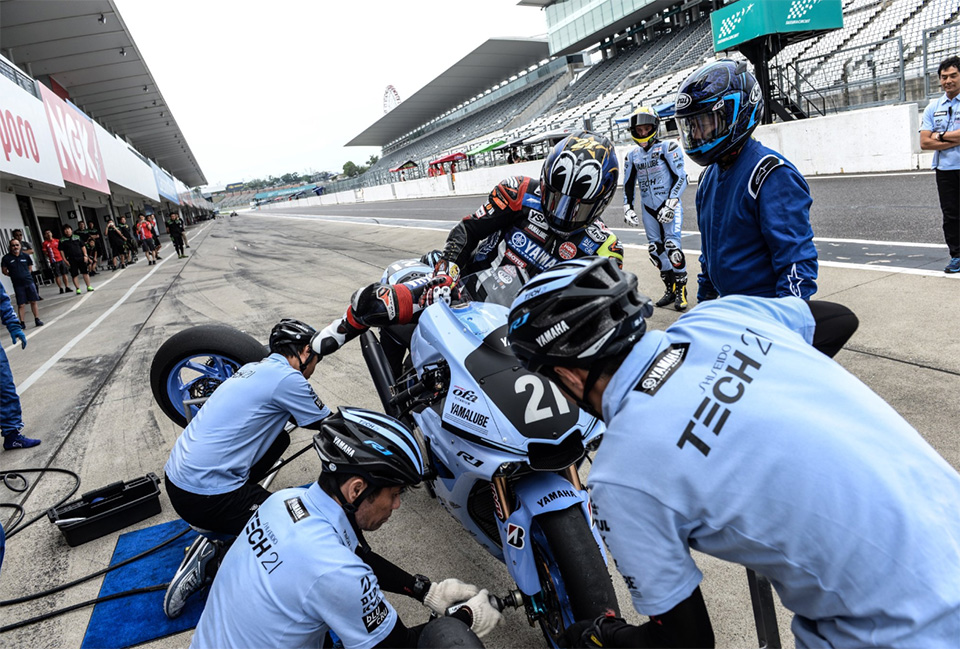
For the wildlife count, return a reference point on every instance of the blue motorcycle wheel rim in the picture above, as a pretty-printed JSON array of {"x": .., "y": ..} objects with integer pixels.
[
  {"x": 197, "y": 376},
  {"x": 555, "y": 600}
]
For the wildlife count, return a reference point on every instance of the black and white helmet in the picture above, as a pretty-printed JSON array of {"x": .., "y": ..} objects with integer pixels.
[
  {"x": 576, "y": 314},
  {"x": 290, "y": 332},
  {"x": 374, "y": 446}
]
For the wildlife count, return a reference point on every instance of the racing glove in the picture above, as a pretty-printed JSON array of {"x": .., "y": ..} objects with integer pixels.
[
  {"x": 443, "y": 595},
  {"x": 484, "y": 617},
  {"x": 668, "y": 210},
  {"x": 629, "y": 216},
  {"x": 17, "y": 334},
  {"x": 437, "y": 290}
]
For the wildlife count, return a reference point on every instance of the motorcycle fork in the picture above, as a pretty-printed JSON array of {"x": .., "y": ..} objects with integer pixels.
[
  {"x": 500, "y": 501},
  {"x": 532, "y": 606},
  {"x": 570, "y": 473}
]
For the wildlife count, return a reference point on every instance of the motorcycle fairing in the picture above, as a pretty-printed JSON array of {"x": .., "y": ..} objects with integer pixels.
[
  {"x": 538, "y": 493},
  {"x": 511, "y": 405}
]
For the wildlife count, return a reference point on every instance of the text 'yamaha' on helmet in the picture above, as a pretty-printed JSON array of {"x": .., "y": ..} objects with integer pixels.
[
  {"x": 374, "y": 446},
  {"x": 290, "y": 331},
  {"x": 642, "y": 116},
  {"x": 717, "y": 108},
  {"x": 578, "y": 180},
  {"x": 576, "y": 314}
]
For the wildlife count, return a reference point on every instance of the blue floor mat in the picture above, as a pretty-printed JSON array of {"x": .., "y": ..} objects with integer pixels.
[{"x": 133, "y": 620}]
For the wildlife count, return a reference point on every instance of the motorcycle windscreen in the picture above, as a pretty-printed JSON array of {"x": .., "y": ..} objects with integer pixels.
[{"x": 532, "y": 404}]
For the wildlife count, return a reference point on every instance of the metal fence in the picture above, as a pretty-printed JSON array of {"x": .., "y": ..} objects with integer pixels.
[
  {"x": 855, "y": 77},
  {"x": 938, "y": 43}
]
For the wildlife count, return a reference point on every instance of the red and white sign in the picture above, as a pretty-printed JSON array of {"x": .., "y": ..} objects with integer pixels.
[
  {"x": 567, "y": 250},
  {"x": 75, "y": 142},
  {"x": 26, "y": 149}
]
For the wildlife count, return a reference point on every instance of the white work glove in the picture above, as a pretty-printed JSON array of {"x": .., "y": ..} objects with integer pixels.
[
  {"x": 448, "y": 592},
  {"x": 485, "y": 616},
  {"x": 629, "y": 216},
  {"x": 668, "y": 210}
]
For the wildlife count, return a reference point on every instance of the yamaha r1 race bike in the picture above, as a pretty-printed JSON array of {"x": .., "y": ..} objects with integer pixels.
[{"x": 503, "y": 443}]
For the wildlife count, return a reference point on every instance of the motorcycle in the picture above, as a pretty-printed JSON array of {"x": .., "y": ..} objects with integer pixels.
[{"x": 503, "y": 443}]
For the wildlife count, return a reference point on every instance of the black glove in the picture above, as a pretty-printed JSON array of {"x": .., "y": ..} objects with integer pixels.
[{"x": 593, "y": 633}]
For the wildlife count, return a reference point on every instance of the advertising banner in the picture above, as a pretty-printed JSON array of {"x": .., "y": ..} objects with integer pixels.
[
  {"x": 124, "y": 167},
  {"x": 165, "y": 185},
  {"x": 75, "y": 142},
  {"x": 24, "y": 136},
  {"x": 749, "y": 19},
  {"x": 182, "y": 192}
]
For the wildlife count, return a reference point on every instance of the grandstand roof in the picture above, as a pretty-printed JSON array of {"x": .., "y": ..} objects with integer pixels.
[
  {"x": 99, "y": 65},
  {"x": 648, "y": 11},
  {"x": 494, "y": 61}
]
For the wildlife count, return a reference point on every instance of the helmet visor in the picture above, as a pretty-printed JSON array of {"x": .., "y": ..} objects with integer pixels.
[
  {"x": 565, "y": 213},
  {"x": 702, "y": 128}
]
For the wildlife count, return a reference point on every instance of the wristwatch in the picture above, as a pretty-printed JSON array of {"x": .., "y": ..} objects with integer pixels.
[
  {"x": 940, "y": 135},
  {"x": 420, "y": 587}
]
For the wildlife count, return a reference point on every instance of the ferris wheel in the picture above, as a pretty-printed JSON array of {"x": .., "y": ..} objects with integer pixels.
[{"x": 390, "y": 99}]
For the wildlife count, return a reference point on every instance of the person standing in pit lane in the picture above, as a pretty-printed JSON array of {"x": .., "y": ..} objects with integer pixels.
[
  {"x": 753, "y": 206},
  {"x": 73, "y": 250},
  {"x": 657, "y": 169},
  {"x": 11, "y": 414}
]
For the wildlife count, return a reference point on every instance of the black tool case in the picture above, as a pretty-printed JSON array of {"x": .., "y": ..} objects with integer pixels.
[{"x": 108, "y": 509}]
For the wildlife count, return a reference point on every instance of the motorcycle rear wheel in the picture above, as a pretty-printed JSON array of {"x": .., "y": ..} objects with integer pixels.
[
  {"x": 195, "y": 361},
  {"x": 574, "y": 581}
]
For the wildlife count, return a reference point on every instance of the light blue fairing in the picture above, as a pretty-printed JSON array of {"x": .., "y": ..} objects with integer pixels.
[
  {"x": 472, "y": 437},
  {"x": 538, "y": 493}
]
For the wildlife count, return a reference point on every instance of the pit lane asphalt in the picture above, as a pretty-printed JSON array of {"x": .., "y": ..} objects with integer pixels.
[
  {"x": 882, "y": 220},
  {"x": 94, "y": 411}
]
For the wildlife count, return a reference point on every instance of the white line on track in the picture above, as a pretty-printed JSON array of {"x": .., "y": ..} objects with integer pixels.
[
  {"x": 38, "y": 374},
  {"x": 355, "y": 220}
]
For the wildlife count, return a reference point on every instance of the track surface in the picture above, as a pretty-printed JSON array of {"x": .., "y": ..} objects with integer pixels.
[{"x": 887, "y": 220}]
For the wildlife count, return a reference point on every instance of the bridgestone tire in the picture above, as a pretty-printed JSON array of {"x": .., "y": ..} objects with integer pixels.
[{"x": 580, "y": 563}]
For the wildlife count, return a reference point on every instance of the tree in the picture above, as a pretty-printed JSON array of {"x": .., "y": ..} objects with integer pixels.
[
  {"x": 351, "y": 170},
  {"x": 374, "y": 159}
]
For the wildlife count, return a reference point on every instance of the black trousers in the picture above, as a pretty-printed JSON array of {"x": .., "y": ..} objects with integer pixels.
[
  {"x": 948, "y": 186},
  {"x": 835, "y": 324},
  {"x": 228, "y": 513}
]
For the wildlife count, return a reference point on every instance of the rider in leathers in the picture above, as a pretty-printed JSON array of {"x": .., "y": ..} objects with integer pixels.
[
  {"x": 657, "y": 167},
  {"x": 528, "y": 223}
]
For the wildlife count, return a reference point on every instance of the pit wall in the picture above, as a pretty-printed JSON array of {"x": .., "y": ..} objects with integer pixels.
[{"x": 872, "y": 140}]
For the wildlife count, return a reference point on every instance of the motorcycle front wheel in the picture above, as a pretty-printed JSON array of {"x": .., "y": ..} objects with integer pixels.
[
  {"x": 193, "y": 362},
  {"x": 574, "y": 581}
]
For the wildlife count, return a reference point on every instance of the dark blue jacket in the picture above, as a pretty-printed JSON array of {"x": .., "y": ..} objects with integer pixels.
[{"x": 755, "y": 233}]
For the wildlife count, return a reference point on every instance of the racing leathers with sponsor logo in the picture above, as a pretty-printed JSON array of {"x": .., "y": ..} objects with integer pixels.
[
  {"x": 509, "y": 229},
  {"x": 744, "y": 468},
  {"x": 658, "y": 173}
]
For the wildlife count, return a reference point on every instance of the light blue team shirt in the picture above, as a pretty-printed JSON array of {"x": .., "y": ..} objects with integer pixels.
[
  {"x": 291, "y": 576},
  {"x": 943, "y": 115},
  {"x": 729, "y": 434},
  {"x": 237, "y": 425}
]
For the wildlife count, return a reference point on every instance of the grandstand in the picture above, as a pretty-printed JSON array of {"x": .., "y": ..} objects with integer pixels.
[{"x": 883, "y": 54}]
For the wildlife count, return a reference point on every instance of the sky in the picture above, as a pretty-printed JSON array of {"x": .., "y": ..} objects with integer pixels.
[{"x": 267, "y": 88}]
